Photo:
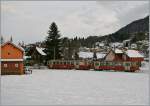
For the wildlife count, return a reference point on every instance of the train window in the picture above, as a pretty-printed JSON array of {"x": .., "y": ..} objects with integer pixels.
[
  {"x": 127, "y": 64},
  {"x": 119, "y": 64},
  {"x": 102, "y": 63},
  {"x": 110, "y": 63},
  {"x": 97, "y": 64},
  {"x": 107, "y": 63}
]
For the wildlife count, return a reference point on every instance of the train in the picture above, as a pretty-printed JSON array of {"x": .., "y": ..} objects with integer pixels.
[{"x": 128, "y": 66}]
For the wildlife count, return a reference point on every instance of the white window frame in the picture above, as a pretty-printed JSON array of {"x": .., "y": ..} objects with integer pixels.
[
  {"x": 16, "y": 65},
  {"x": 5, "y": 65}
]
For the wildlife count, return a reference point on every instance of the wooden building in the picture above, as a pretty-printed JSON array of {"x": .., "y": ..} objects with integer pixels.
[
  {"x": 114, "y": 55},
  {"x": 125, "y": 55},
  {"x": 133, "y": 55},
  {"x": 38, "y": 55},
  {"x": 11, "y": 59}
]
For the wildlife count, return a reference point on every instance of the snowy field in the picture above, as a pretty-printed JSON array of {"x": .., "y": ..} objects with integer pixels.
[{"x": 65, "y": 87}]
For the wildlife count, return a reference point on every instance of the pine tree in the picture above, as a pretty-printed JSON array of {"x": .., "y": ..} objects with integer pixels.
[
  {"x": 52, "y": 43},
  {"x": 76, "y": 56}
]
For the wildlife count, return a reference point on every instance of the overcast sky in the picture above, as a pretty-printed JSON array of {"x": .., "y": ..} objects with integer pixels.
[{"x": 29, "y": 21}]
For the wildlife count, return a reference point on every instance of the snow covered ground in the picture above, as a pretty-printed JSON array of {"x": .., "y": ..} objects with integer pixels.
[{"x": 65, "y": 87}]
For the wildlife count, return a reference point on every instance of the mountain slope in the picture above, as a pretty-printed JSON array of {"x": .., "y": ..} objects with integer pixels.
[{"x": 136, "y": 27}]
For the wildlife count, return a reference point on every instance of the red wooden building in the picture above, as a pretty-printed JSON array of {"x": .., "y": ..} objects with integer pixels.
[
  {"x": 133, "y": 55},
  {"x": 11, "y": 59},
  {"x": 114, "y": 55}
]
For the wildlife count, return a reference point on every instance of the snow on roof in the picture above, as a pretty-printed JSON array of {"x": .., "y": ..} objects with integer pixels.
[
  {"x": 90, "y": 55},
  {"x": 100, "y": 55},
  {"x": 86, "y": 55},
  {"x": 133, "y": 53},
  {"x": 118, "y": 51},
  {"x": 116, "y": 44},
  {"x": 40, "y": 50},
  {"x": 19, "y": 47}
]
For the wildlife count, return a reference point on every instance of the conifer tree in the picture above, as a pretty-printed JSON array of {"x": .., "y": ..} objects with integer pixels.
[{"x": 53, "y": 43}]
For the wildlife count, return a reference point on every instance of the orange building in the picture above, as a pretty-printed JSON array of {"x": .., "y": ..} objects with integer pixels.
[{"x": 11, "y": 59}]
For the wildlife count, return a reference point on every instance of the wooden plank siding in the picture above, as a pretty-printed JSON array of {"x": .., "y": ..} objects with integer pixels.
[{"x": 11, "y": 59}]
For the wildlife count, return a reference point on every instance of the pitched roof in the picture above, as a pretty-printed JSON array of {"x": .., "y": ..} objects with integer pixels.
[
  {"x": 20, "y": 48},
  {"x": 40, "y": 50},
  {"x": 118, "y": 51},
  {"x": 133, "y": 53},
  {"x": 90, "y": 55}
]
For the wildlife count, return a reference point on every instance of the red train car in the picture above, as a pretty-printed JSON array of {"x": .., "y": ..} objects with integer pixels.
[
  {"x": 83, "y": 65},
  {"x": 117, "y": 66},
  {"x": 61, "y": 64}
]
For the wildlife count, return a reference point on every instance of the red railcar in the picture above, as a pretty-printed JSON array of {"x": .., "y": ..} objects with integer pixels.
[
  {"x": 83, "y": 65},
  {"x": 117, "y": 66},
  {"x": 96, "y": 65},
  {"x": 69, "y": 64},
  {"x": 61, "y": 64}
]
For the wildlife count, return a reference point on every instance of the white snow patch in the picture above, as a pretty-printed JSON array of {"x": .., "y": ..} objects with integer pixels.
[
  {"x": 87, "y": 55},
  {"x": 40, "y": 50},
  {"x": 70, "y": 87},
  {"x": 118, "y": 51},
  {"x": 134, "y": 53}
]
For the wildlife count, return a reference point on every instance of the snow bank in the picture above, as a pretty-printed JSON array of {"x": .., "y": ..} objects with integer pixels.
[{"x": 66, "y": 87}]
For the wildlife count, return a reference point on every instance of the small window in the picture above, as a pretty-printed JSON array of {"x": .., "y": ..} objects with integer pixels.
[
  {"x": 8, "y": 53},
  {"x": 5, "y": 65},
  {"x": 16, "y": 65},
  {"x": 97, "y": 64}
]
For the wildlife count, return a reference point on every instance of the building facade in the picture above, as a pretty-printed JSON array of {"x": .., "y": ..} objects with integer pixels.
[{"x": 11, "y": 59}]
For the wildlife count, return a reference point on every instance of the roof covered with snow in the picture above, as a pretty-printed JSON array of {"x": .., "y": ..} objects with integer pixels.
[
  {"x": 90, "y": 55},
  {"x": 116, "y": 44},
  {"x": 40, "y": 50},
  {"x": 17, "y": 46},
  {"x": 118, "y": 51},
  {"x": 133, "y": 53}
]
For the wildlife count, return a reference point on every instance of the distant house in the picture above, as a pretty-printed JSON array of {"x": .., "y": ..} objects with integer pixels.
[
  {"x": 38, "y": 55},
  {"x": 11, "y": 59},
  {"x": 133, "y": 46},
  {"x": 114, "y": 55}
]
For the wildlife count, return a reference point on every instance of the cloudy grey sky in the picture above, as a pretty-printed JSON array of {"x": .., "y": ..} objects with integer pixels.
[{"x": 29, "y": 21}]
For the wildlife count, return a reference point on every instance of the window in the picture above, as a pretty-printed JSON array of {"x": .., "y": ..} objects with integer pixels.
[
  {"x": 16, "y": 65},
  {"x": 97, "y": 64},
  {"x": 5, "y": 65},
  {"x": 8, "y": 53}
]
